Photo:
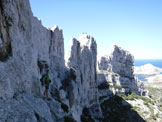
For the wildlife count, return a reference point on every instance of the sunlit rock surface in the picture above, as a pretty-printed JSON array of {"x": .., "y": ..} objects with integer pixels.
[
  {"x": 122, "y": 63},
  {"x": 82, "y": 57}
]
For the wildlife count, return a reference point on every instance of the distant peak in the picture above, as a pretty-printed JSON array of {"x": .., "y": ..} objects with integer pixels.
[
  {"x": 116, "y": 48},
  {"x": 54, "y": 27},
  {"x": 149, "y": 65},
  {"x": 147, "y": 69},
  {"x": 85, "y": 35},
  {"x": 73, "y": 38}
]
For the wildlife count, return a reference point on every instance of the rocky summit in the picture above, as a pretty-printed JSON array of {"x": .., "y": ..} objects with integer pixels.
[
  {"x": 121, "y": 62},
  {"x": 79, "y": 90}
]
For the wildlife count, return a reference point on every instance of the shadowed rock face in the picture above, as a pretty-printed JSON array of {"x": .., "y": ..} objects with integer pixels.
[
  {"x": 114, "y": 109},
  {"x": 5, "y": 41}
]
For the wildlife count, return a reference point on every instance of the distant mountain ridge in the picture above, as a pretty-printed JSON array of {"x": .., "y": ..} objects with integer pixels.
[
  {"x": 151, "y": 75},
  {"x": 148, "y": 69},
  {"x": 155, "y": 62}
]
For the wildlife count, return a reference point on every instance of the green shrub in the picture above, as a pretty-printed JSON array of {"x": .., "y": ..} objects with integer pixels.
[
  {"x": 135, "y": 108},
  {"x": 132, "y": 96},
  {"x": 104, "y": 85},
  {"x": 64, "y": 107},
  {"x": 103, "y": 71},
  {"x": 154, "y": 117},
  {"x": 122, "y": 96},
  {"x": 116, "y": 74},
  {"x": 160, "y": 99},
  {"x": 5, "y": 52},
  {"x": 65, "y": 83},
  {"x": 68, "y": 79},
  {"x": 147, "y": 100},
  {"x": 146, "y": 103},
  {"x": 102, "y": 97},
  {"x": 69, "y": 119},
  {"x": 86, "y": 116},
  {"x": 118, "y": 87}
]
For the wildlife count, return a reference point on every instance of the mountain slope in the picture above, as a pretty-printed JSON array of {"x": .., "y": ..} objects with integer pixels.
[{"x": 148, "y": 69}]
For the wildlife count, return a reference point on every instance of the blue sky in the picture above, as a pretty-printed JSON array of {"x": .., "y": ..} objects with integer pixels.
[{"x": 134, "y": 25}]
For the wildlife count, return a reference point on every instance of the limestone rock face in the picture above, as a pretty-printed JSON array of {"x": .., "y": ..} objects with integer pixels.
[
  {"x": 104, "y": 64},
  {"x": 24, "y": 42},
  {"x": 27, "y": 49},
  {"x": 28, "y": 108},
  {"x": 122, "y": 63},
  {"x": 82, "y": 58}
]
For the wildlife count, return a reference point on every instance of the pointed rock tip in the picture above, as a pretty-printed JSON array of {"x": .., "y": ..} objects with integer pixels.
[
  {"x": 149, "y": 65},
  {"x": 73, "y": 41},
  {"x": 86, "y": 39},
  {"x": 73, "y": 38},
  {"x": 85, "y": 36},
  {"x": 116, "y": 47},
  {"x": 55, "y": 27}
]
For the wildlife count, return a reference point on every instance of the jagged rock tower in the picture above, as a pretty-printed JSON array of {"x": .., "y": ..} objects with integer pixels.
[
  {"x": 83, "y": 58},
  {"x": 122, "y": 63}
]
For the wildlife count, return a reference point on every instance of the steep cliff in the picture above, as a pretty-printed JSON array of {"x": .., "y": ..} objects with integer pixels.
[
  {"x": 122, "y": 63},
  {"x": 25, "y": 42},
  {"x": 27, "y": 49},
  {"x": 82, "y": 57}
]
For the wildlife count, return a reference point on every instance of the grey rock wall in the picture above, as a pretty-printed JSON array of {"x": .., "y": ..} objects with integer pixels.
[
  {"x": 82, "y": 57},
  {"x": 24, "y": 43},
  {"x": 122, "y": 63},
  {"x": 29, "y": 42}
]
